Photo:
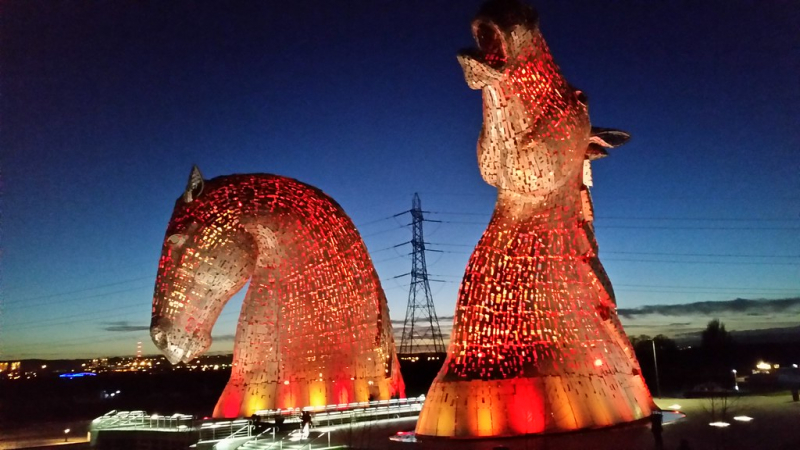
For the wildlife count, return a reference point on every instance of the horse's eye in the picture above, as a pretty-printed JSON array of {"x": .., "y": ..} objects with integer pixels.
[
  {"x": 582, "y": 98},
  {"x": 177, "y": 239}
]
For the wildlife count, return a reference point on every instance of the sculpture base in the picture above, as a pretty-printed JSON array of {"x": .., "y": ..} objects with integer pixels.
[
  {"x": 243, "y": 401},
  {"x": 520, "y": 406}
]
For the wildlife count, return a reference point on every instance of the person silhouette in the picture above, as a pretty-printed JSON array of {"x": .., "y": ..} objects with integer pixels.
[
  {"x": 656, "y": 427},
  {"x": 305, "y": 424}
]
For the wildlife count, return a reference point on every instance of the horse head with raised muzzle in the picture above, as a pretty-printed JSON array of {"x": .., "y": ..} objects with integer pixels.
[
  {"x": 536, "y": 345},
  {"x": 536, "y": 133}
]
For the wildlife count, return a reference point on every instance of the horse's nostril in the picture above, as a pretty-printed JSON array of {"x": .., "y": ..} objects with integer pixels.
[{"x": 159, "y": 337}]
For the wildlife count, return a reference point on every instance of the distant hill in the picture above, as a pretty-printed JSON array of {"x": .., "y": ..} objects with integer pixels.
[{"x": 783, "y": 335}]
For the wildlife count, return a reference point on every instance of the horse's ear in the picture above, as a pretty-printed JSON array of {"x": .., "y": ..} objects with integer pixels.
[
  {"x": 603, "y": 138},
  {"x": 608, "y": 137},
  {"x": 195, "y": 185}
]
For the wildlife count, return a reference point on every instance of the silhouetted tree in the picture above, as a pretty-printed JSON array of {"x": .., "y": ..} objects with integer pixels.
[
  {"x": 644, "y": 344},
  {"x": 638, "y": 342},
  {"x": 715, "y": 337},
  {"x": 666, "y": 354},
  {"x": 717, "y": 346},
  {"x": 665, "y": 344}
]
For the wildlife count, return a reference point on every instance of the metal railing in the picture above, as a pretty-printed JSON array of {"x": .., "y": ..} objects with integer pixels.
[
  {"x": 350, "y": 412},
  {"x": 227, "y": 429},
  {"x": 139, "y": 419}
]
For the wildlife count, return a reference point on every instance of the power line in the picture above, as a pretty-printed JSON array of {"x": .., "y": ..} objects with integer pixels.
[
  {"x": 650, "y": 291},
  {"x": 42, "y": 297},
  {"x": 85, "y": 317},
  {"x": 79, "y": 299},
  {"x": 767, "y": 263},
  {"x": 82, "y": 340},
  {"x": 724, "y": 263},
  {"x": 450, "y": 245},
  {"x": 719, "y": 255},
  {"x": 639, "y": 227},
  {"x": 371, "y": 222},
  {"x": 699, "y": 219},
  {"x": 709, "y": 219},
  {"x": 390, "y": 258},
  {"x": 707, "y": 287},
  {"x": 634, "y": 227},
  {"x": 384, "y": 231},
  {"x": 391, "y": 247}
]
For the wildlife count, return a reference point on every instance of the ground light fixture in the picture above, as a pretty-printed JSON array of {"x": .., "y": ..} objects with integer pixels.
[
  {"x": 743, "y": 418},
  {"x": 720, "y": 424}
]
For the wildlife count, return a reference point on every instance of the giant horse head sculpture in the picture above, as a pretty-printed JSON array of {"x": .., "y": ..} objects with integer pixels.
[
  {"x": 314, "y": 327},
  {"x": 536, "y": 345}
]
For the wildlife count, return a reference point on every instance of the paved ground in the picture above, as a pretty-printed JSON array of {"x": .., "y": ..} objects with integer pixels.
[
  {"x": 775, "y": 426},
  {"x": 44, "y": 434}
]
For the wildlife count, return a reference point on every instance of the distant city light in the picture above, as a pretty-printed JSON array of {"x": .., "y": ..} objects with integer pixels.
[
  {"x": 743, "y": 418},
  {"x": 720, "y": 424},
  {"x": 77, "y": 375},
  {"x": 763, "y": 366}
]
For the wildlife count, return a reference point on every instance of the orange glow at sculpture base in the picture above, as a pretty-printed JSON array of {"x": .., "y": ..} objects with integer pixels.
[{"x": 522, "y": 406}]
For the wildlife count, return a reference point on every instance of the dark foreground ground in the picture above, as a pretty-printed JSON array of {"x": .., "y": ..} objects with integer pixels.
[{"x": 775, "y": 426}]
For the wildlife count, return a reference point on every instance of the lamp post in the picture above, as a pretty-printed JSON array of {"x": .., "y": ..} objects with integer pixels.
[
  {"x": 655, "y": 363},
  {"x": 66, "y": 434},
  {"x": 735, "y": 381}
]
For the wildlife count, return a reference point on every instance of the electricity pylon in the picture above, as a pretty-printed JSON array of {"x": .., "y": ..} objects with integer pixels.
[{"x": 421, "y": 332}]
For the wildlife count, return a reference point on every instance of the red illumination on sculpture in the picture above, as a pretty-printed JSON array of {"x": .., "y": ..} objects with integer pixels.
[
  {"x": 536, "y": 346},
  {"x": 314, "y": 327}
]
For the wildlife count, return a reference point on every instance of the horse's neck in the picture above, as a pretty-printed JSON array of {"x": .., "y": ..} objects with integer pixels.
[
  {"x": 270, "y": 250},
  {"x": 548, "y": 224}
]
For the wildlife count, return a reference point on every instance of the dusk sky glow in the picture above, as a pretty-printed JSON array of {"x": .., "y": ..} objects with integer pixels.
[{"x": 106, "y": 106}]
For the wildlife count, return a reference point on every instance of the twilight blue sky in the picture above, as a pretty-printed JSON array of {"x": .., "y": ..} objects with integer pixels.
[{"x": 105, "y": 105}]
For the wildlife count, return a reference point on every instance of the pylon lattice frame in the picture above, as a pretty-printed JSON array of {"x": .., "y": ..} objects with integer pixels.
[{"x": 421, "y": 331}]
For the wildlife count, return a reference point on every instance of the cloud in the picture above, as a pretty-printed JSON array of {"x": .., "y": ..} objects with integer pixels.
[
  {"x": 123, "y": 326},
  {"x": 685, "y": 322},
  {"x": 737, "y": 306},
  {"x": 224, "y": 338}
]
